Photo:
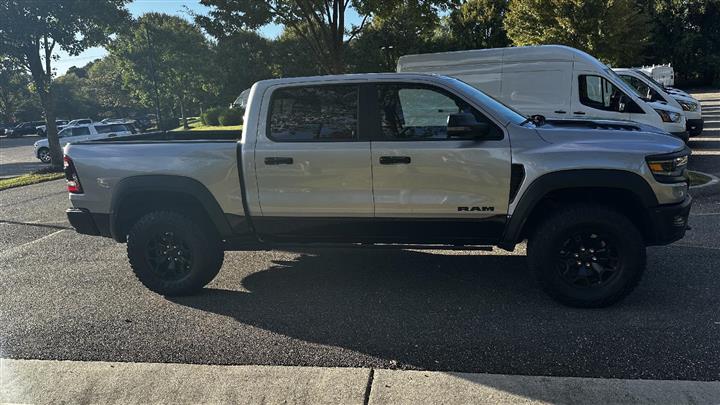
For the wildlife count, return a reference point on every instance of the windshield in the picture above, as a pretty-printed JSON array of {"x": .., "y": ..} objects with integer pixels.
[
  {"x": 512, "y": 114},
  {"x": 620, "y": 82}
]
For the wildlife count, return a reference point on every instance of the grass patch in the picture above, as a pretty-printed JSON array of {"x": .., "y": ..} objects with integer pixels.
[
  {"x": 27, "y": 179},
  {"x": 697, "y": 179}
]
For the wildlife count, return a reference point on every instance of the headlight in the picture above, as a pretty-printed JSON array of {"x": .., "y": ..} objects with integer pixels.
[
  {"x": 668, "y": 116},
  {"x": 669, "y": 168},
  {"x": 688, "y": 105}
]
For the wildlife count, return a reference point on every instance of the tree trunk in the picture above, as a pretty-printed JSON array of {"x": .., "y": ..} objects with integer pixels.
[
  {"x": 42, "y": 83},
  {"x": 184, "y": 118},
  {"x": 56, "y": 152}
]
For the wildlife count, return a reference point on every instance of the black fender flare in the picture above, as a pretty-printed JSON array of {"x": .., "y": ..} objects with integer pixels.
[
  {"x": 167, "y": 183},
  {"x": 578, "y": 178}
]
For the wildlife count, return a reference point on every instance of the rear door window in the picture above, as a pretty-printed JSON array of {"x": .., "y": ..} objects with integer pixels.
[
  {"x": 314, "y": 114},
  {"x": 103, "y": 129},
  {"x": 80, "y": 131}
]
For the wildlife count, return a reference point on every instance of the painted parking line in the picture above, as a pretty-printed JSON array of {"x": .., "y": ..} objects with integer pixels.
[{"x": 19, "y": 248}]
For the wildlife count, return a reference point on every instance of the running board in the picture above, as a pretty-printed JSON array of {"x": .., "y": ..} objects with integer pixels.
[{"x": 244, "y": 246}]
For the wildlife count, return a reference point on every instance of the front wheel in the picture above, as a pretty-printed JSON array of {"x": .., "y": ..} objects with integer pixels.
[
  {"x": 587, "y": 256},
  {"x": 44, "y": 155},
  {"x": 172, "y": 255}
]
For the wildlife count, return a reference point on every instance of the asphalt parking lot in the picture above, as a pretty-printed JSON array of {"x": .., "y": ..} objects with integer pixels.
[
  {"x": 72, "y": 297},
  {"x": 16, "y": 156}
]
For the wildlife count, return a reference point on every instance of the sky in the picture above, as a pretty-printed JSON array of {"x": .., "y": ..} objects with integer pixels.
[{"x": 180, "y": 8}]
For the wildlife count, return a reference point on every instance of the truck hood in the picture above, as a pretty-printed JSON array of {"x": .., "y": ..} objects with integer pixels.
[{"x": 610, "y": 135}]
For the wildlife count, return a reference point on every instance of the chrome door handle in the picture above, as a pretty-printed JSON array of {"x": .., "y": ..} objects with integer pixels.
[{"x": 394, "y": 160}]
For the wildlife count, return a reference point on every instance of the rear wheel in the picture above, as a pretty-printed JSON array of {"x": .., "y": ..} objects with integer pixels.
[
  {"x": 44, "y": 155},
  {"x": 172, "y": 255},
  {"x": 587, "y": 256}
]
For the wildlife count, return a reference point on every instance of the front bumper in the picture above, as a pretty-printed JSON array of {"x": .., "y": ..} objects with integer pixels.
[
  {"x": 88, "y": 223},
  {"x": 682, "y": 135},
  {"x": 695, "y": 126},
  {"x": 669, "y": 222}
]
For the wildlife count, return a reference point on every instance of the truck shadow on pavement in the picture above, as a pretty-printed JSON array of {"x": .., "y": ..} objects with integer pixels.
[{"x": 459, "y": 312}]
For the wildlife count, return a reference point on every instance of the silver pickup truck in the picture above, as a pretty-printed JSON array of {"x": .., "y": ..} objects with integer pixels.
[{"x": 391, "y": 161}]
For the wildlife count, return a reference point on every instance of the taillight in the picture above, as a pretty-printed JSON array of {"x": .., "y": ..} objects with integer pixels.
[{"x": 73, "y": 182}]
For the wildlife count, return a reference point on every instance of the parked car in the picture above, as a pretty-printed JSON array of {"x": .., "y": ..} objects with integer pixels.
[
  {"x": 664, "y": 74},
  {"x": 24, "y": 128},
  {"x": 551, "y": 80},
  {"x": 59, "y": 123},
  {"x": 6, "y": 126},
  {"x": 80, "y": 121},
  {"x": 650, "y": 90},
  {"x": 79, "y": 133},
  {"x": 388, "y": 160}
]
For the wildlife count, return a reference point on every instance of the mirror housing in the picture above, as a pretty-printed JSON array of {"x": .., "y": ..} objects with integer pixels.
[{"x": 464, "y": 125}]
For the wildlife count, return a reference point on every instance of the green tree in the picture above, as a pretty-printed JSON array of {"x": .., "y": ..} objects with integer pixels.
[
  {"x": 615, "y": 31},
  {"x": 17, "y": 103},
  {"x": 478, "y": 24},
  {"x": 687, "y": 34},
  {"x": 104, "y": 84},
  {"x": 30, "y": 31},
  {"x": 321, "y": 24},
  {"x": 166, "y": 60},
  {"x": 242, "y": 59}
]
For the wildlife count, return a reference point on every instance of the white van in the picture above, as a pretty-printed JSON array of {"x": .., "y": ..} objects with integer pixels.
[
  {"x": 664, "y": 74},
  {"x": 80, "y": 133},
  {"x": 551, "y": 80},
  {"x": 651, "y": 90}
]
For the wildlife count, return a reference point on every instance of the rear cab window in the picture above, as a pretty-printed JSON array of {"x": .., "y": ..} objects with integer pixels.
[{"x": 317, "y": 113}]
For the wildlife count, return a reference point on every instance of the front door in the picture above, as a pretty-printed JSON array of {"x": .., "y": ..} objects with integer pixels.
[
  {"x": 313, "y": 170},
  {"x": 430, "y": 187}
]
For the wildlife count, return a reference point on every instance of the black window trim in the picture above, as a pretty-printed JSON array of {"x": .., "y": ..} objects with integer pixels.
[
  {"x": 358, "y": 137},
  {"x": 376, "y": 134}
]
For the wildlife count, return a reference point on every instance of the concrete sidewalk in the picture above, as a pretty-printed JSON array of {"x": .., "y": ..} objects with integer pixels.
[{"x": 46, "y": 381}]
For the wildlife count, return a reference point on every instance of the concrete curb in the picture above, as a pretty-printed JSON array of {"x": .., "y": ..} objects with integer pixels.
[{"x": 51, "y": 381}]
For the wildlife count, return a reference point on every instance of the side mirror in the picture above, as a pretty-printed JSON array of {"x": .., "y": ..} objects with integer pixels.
[{"x": 464, "y": 125}]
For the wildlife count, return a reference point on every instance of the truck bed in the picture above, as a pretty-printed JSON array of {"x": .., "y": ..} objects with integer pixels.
[{"x": 167, "y": 136}]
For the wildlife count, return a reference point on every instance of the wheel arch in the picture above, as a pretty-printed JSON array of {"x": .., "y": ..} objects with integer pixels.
[
  {"x": 623, "y": 191},
  {"x": 135, "y": 196}
]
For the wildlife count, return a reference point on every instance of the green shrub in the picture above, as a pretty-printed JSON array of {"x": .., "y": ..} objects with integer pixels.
[
  {"x": 211, "y": 116},
  {"x": 233, "y": 116}
]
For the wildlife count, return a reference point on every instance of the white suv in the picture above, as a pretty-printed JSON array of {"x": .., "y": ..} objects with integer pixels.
[{"x": 81, "y": 133}]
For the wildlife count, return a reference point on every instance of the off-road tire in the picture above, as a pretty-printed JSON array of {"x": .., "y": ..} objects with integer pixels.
[
  {"x": 201, "y": 243},
  {"x": 547, "y": 258}
]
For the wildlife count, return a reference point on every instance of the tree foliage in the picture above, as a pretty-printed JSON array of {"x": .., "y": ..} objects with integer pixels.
[
  {"x": 687, "y": 34},
  {"x": 478, "y": 24},
  {"x": 30, "y": 30},
  {"x": 386, "y": 38},
  {"x": 321, "y": 24},
  {"x": 169, "y": 55},
  {"x": 615, "y": 31}
]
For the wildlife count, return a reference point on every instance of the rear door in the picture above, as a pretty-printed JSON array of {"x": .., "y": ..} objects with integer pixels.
[
  {"x": 427, "y": 186},
  {"x": 313, "y": 170}
]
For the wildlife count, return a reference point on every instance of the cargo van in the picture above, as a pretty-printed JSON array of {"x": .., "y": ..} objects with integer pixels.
[
  {"x": 651, "y": 90},
  {"x": 555, "y": 81}
]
